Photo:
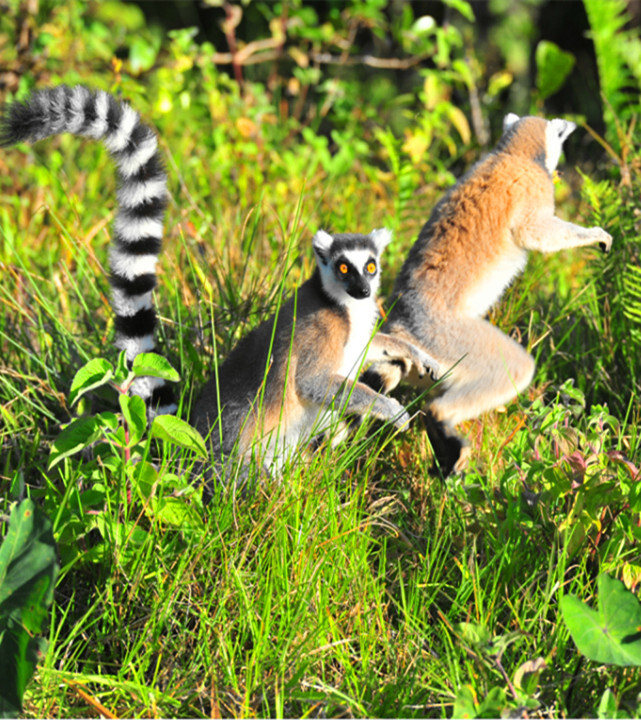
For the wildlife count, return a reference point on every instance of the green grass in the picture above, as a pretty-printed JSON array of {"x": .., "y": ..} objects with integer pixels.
[{"x": 357, "y": 584}]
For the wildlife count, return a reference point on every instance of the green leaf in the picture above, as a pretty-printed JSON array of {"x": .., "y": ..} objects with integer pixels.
[
  {"x": 79, "y": 434},
  {"x": 612, "y": 634},
  {"x": 122, "y": 370},
  {"x": 95, "y": 373},
  {"x": 465, "y": 703},
  {"x": 608, "y": 706},
  {"x": 154, "y": 365},
  {"x": 494, "y": 704},
  {"x": 134, "y": 411},
  {"x": 28, "y": 570},
  {"x": 142, "y": 54},
  {"x": 498, "y": 82},
  {"x": 129, "y": 17},
  {"x": 463, "y": 7},
  {"x": 526, "y": 677},
  {"x": 177, "y": 431},
  {"x": 553, "y": 66},
  {"x": 178, "y": 512},
  {"x": 474, "y": 634}
]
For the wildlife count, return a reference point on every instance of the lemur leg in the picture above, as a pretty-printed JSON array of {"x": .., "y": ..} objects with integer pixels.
[
  {"x": 549, "y": 233},
  {"x": 344, "y": 396},
  {"x": 451, "y": 451},
  {"x": 483, "y": 368},
  {"x": 404, "y": 353},
  {"x": 488, "y": 369},
  {"x": 493, "y": 370},
  {"x": 386, "y": 370}
]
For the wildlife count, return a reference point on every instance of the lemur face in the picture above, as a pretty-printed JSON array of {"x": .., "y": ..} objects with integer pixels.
[
  {"x": 349, "y": 264},
  {"x": 556, "y": 132}
]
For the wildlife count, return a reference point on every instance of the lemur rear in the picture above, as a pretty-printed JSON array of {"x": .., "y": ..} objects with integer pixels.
[
  {"x": 283, "y": 385},
  {"x": 468, "y": 252},
  {"x": 142, "y": 196}
]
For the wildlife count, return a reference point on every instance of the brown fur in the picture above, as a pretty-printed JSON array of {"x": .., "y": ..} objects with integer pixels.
[{"x": 470, "y": 249}]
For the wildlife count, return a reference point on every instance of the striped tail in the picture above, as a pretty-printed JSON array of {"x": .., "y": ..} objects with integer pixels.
[{"x": 142, "y": 197}]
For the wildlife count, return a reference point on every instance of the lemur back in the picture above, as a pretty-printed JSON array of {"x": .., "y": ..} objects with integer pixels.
[
  {"x": 142, "y": 197},
  {"x": 290, "y": 378},
  {"x": 468, "y": 252}
]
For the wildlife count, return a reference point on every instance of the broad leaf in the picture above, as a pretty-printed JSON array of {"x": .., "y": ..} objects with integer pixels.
[
  {"x": 154, "y": 365},
  {"x": 121, "y": 373},
  {"x": 553, "y": 65},
  {"x": 612, "y": 634},
  {"x": 474, "y": 634},
  {"x": 134, "y": 411},
  {"x": 465, "y": 703},
  {"x": 95, "y": 373},
  {"x": 28, "y": 570},
  {"x": 177, "y": 431},
  {"x": 79, "y": 434}
]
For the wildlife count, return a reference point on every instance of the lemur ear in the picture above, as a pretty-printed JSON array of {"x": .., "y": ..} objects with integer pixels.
[
  {"x": 322, "y": 242},
  {"x": 509, "y": 120},
  {"x": 381, "y": 238}
]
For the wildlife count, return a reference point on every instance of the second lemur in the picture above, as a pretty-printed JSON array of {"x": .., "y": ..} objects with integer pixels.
[{"x": 467, "y": 253}]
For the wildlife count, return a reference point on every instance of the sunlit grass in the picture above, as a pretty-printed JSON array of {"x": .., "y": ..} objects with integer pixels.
[{"x": 354, "y": 584}]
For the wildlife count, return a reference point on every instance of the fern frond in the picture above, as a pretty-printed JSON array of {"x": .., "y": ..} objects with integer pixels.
[
  {"x": 403, "y": 172},
  {"x": 618, "y": 52},
  {"x": 632, "y": 293}
]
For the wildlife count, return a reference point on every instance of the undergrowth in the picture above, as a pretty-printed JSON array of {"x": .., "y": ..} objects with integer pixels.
[{"x": 358, "y": 583}]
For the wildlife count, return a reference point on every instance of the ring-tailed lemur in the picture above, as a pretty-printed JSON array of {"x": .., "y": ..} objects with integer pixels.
[
  {"x": 142, "y": 196},
  {"x": 468, "y": 252},
  {"x": 295, "y": 374}
]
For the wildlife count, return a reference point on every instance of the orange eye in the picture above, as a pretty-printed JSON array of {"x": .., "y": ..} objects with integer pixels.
[
  {"x": 343, "y": 269},
  {"x": 371, "y": 267}
]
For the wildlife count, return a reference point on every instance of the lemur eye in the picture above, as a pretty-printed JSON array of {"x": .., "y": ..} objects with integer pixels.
[
  {"x": 343, "y": 269},
  {"x": 371, "y": 267}
]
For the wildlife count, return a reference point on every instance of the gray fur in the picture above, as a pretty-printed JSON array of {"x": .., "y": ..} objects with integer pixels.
[{"x": 271, "y": 397}]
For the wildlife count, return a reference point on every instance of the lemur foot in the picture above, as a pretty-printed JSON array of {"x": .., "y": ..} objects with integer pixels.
[
  {"x": 451, "y": 451},
  {"x": 604, "y": 239}
]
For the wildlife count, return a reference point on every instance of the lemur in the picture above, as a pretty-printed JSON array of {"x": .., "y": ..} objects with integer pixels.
[
  {"x": 470, "y": 249},
  {"x": 276, "y": 388},
  {"x": 294, "y": 375}
]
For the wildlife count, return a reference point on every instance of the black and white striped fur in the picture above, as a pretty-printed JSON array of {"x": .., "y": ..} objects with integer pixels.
[{"x": 142, "y": 197}]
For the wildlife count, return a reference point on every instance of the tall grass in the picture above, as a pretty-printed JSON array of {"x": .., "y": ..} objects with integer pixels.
[{"x": 357, "y": 584}]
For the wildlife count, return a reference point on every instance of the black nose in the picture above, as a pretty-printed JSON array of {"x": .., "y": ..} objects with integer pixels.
[{"x": 359, "y": 291}]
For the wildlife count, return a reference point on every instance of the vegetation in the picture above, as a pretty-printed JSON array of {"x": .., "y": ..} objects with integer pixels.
[{"x": 358, "y": 584}]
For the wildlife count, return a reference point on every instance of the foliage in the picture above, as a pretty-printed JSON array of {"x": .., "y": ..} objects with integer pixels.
[
  {"x": 553, "y": 66},
  {"x": 28, "y": 570},
  {"x": 616, "y": 206},
  {"x": 610, "y": 635},
  {"x": 618, "y": 54},
  {"x": 359, "y": 583},
  {"x": 119, "y": 444}
]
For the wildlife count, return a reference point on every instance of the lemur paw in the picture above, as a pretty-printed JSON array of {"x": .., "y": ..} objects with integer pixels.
[
  {"x": 402, "y": 419},
  {"x": 427, "y": 366},
  {"x": 603, "y": 238}
]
